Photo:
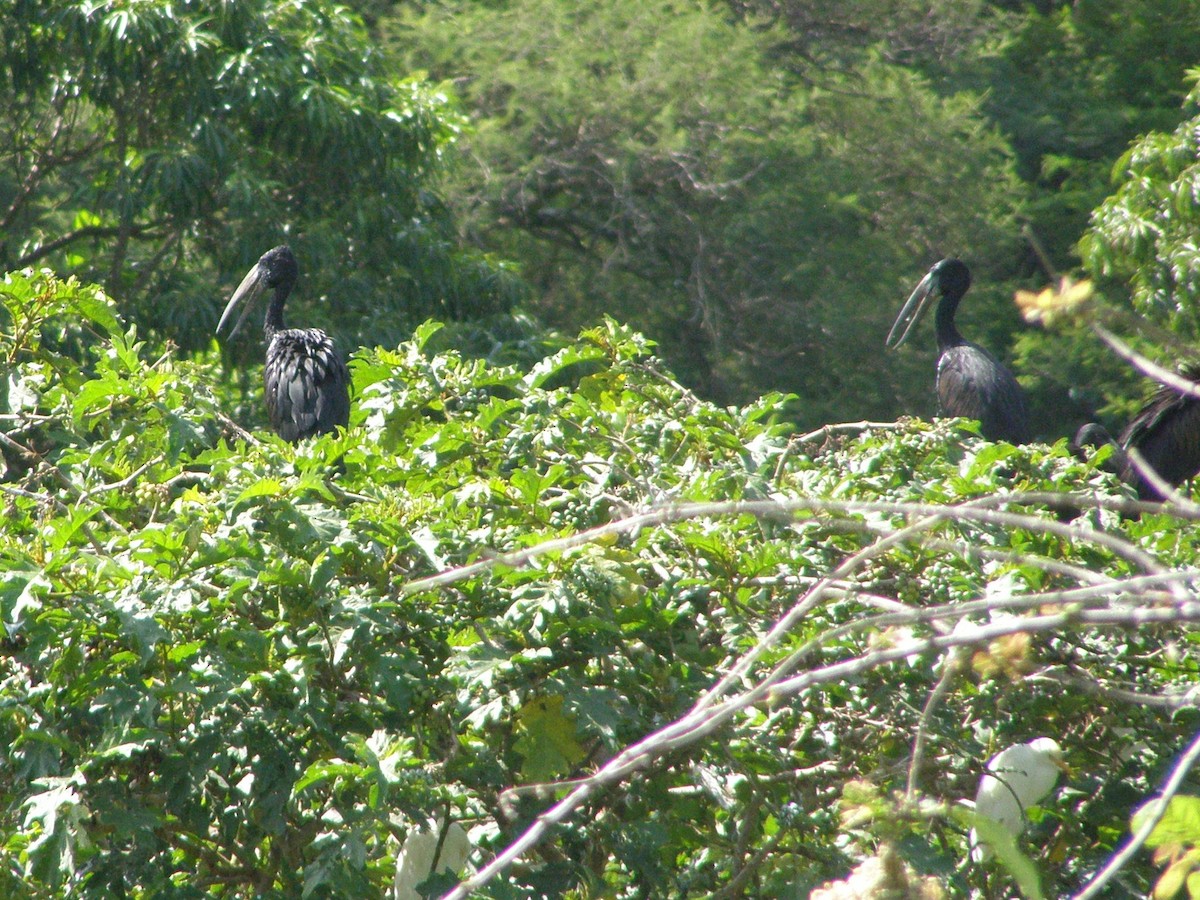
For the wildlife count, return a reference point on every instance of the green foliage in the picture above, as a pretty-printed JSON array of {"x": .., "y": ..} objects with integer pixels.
[
  {"x": 1143, "y": 234},
  {"x": 824, "y": 35},
  {"x": 160, "y": 147},
  {"x": 253, "y": 669},
  {"x": 1139, "y": 247},
  {"x": 1176, "y": 841},
  {"x": 755, "y": 184},
  {"x": 1071, "y": 84}
]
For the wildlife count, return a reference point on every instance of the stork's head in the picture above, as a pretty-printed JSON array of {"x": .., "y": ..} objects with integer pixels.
[
  {"x": 275, "y": 269},
  {"x": 949, "y": 278}
]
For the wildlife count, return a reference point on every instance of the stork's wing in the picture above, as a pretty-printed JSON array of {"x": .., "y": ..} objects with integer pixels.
[
  {"x": 1167, "y": 434},
  {"x": 307, "y": 385},
  {"x": 973, "y": 384}
]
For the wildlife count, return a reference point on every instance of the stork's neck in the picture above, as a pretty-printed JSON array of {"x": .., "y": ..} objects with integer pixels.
[
  {"x": 274, "y": 320},
  {"x": 947, "y": 332}
]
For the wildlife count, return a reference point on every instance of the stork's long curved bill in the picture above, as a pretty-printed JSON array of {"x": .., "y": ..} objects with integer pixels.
[
  {"x": 252, "y": 285},
  {"x": 911, "y": 313}
]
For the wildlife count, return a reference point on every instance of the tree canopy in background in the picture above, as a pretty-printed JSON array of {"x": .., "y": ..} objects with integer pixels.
[
  {"x": 662, "y": 162},
  {"x": 833, "y": 152},
  {"x": 1073, "y": 85},
  {"x": 754, "y": 184},
  {"x": 159, "y": 148}
]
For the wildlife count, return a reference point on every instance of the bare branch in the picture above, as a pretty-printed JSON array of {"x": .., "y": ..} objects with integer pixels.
[
  {"x": 1171, "y": 702},
  {"x": 1156, "y": 481},
  {"x": 953, "y": 664},
  {"x": 87, "y": 231},
  {"x": 977, "y": 511},
  {"x": 703, "y": 720},
  {"x": 1126, "y": 853},
  {"x": 1160, "y": 596},
  {"x": 1147, "y": 367},
  {"x": 826, "y": 431},
  {"x": 124, "y": 482}
]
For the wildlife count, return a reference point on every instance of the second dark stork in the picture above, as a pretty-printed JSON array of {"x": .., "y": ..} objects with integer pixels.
[
  {"x": 307, "y": 385},
  {"x": 971, "y": 383},
  {"x": 1166, "y": 432}
]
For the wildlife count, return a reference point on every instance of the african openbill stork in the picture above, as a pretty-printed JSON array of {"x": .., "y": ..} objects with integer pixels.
[
  {"x": 1166, "y": 432},
  {"x": 970, "y": 381},
  {"x": 307, "y": 385}
]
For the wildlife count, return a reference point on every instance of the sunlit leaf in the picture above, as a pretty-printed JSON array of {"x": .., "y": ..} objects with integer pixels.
[{"x": 547, "y": 739}]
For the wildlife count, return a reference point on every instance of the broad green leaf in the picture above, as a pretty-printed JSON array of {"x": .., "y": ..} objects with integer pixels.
[
  {"x": 326, "y": 770},
  {"x": 98, "y": 309},
  {"x": 1004, "y": 844},
  {"x": 547, "y": 739},
  {"x": 93, "y": 394},
  {"x": 1180, "y": 823},
  {"x": 19, "y": 593},
  {"x": 263, "y": 487}
]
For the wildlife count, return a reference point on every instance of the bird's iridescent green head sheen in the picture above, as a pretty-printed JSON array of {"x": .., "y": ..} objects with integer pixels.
[
  {"x": 949, "y": 278},
  {"x": 275, "y": 267}
]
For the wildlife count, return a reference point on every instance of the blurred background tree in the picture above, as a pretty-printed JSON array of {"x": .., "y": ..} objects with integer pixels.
[
  {"x": 758, "y": 184},
  {"x": 671, "y": 164},
  {"x": 1072, "y": 85}
]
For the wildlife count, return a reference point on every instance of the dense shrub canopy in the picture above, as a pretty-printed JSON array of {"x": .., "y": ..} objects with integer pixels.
[{"x": 234, "y": 667}]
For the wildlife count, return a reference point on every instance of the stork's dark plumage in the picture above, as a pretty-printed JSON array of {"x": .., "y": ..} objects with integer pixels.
[
  {"x": 970, "y": 381},
  {"x": 1166, "y": 432},
  {"x": 307, "y": 385}
]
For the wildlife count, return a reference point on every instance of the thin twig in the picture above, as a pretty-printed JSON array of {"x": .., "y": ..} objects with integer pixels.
[
  {"x": 1121, "y": 858},
  {"x": 702, "y": 722},
  {"x": 236, "y": 429},
  {"x": 58, "y": 505},
  {"x": 124, "y": 482},
  {"x": 1145, "y": 366},
  {"x": 976, "y": 511},
  {"x": 1039, "y": 251},
  {"x": 18, "y": 447},
  {"x": 713, "y": 710},
  {"x": 809, "y": 602},
  {"x": 738, "y": 882},
  {"x": 1165, "y": 489},
  {"x": 185, "y": 477},
  {"x": 952, "y": 666},
  {"x": 826, "y": 431},
  {"x": 77, "y": 493},
  {"x": 1172, "y": 702}
]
